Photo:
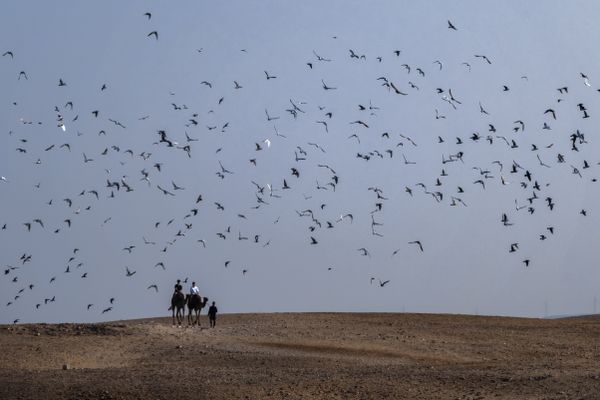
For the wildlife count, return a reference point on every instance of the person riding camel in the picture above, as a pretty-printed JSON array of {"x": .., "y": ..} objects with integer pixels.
[
  {"x": 178, "y": 289},
  {"x": 194, "y": 289}
]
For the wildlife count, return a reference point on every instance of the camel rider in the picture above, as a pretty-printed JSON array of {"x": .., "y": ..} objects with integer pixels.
[
  {"x": 194, "y": 289},
  {"x": 178, "y": 287}
]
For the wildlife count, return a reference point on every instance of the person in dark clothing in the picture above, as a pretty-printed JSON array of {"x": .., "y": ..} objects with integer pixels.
[
  {"x": 178, "y": 286},
  {"x": 178, "y": 289},
  {"x": 212, "y": 315}
]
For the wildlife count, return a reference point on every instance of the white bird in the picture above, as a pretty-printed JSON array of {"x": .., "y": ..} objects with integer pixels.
[
  {"x": 267, "y": 142},
  {"x": 3, "y": 178}
]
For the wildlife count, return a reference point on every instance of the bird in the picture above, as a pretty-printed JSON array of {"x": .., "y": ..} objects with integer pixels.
[
  {"x": 418, "y": 243},
  {"x": 153, "y": 33},
  {"x": 451, "y": 26},
  {"x": 153, "y": 286},
  {"x": 128, "y": 272},
  {"x": 164, "y": 191},
  {"x": 326, "y": 87},
  {"x": 483, "y": 57},
  {"x": 364, "y": 252}
]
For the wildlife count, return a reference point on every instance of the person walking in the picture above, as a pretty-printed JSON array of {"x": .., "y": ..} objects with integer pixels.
[{"x": 212, "y": 315}]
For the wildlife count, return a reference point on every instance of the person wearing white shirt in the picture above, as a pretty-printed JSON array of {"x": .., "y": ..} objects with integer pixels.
[{"x": 194, "y": 289}]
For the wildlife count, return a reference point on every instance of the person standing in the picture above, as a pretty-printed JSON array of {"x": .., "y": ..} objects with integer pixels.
[{"x": 212, "y": 315}]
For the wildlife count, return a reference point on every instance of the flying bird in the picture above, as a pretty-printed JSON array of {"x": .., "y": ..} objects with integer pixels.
[{"x": 418, "y": 243}]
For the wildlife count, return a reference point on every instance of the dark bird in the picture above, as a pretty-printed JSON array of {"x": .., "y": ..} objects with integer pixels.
[
  {"x": 364, "y": 251},
  {"x": 551, "y": 112},
  {"x": 396, "y": 89},
  {"x": 451, "y": 26},
  {"x": 483, "y": 57},
  {"x": 327, "y": 87},
  {"x": 417, "y": 242},
  {"x": 164, "y": 191},
  {"x": 155, "y": 33}
]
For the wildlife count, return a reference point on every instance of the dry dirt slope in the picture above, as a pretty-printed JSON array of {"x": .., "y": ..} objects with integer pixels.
[{"x": 305, "y": 356}]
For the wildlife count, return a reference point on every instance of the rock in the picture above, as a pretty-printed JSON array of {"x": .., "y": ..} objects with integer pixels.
[{"x": 66, "y": 366}]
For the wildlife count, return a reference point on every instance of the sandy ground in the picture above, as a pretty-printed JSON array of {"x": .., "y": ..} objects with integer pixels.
[{"x": 305, "y": 356}]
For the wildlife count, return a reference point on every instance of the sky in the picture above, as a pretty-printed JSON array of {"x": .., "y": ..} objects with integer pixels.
[{"x": 259, "y": 58}]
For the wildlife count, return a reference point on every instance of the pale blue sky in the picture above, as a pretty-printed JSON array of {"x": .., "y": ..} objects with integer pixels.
[{"x": 466, "y": 266}]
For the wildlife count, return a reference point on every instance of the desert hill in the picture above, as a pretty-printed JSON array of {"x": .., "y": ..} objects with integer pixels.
[{"x": 305, "y": 356}]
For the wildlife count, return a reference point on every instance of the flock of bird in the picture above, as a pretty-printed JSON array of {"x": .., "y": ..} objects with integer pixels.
[{"x": 522, "y": 176}]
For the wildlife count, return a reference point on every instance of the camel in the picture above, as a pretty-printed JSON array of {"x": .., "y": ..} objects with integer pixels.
[
  {"x": 195, "y": 304},
  {"x": 177, "y": 306}
]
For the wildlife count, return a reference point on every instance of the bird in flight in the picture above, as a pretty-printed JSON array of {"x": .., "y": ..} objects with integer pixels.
[
  {"x": 364, "y": 251},
  {"x": 483, "y": 58},
  {"x": 418, "y": 243},
  {"x": 153, "y": 33}
]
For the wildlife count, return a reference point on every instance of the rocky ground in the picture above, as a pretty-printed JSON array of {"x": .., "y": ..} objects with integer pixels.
[{"x": 305, "y": 356}]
